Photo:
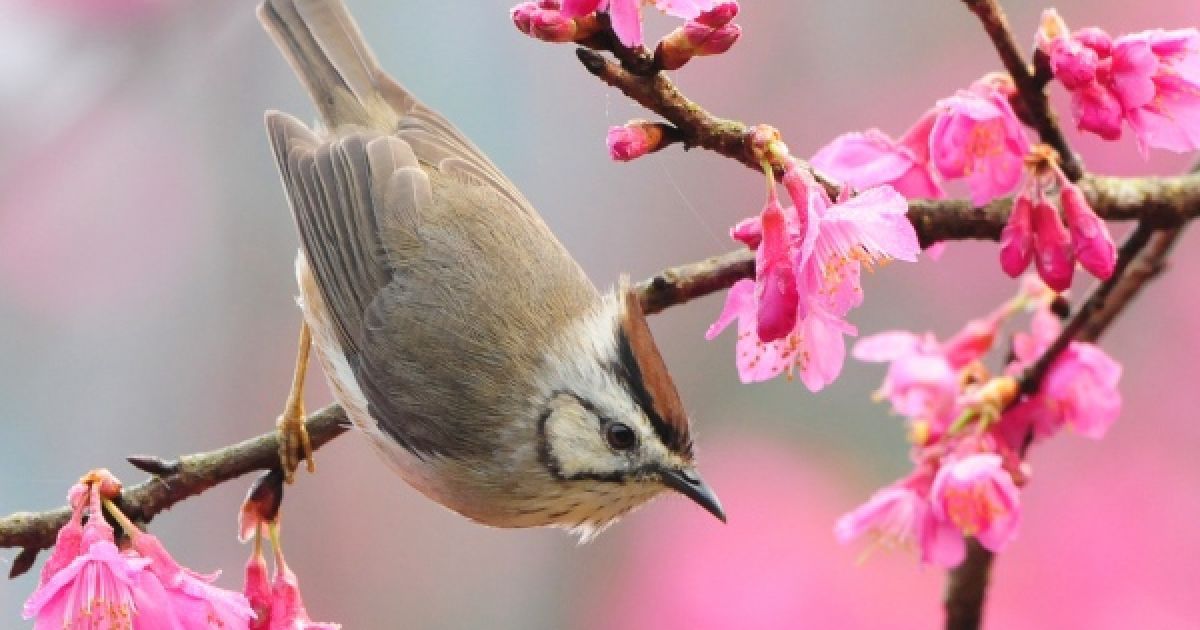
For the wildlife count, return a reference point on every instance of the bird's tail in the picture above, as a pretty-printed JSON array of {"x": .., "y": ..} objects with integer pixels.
[{"x": 325, "y": 48}]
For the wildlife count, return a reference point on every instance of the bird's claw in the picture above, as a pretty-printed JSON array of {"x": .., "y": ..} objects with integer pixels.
[{"x": 294, "y": 443}]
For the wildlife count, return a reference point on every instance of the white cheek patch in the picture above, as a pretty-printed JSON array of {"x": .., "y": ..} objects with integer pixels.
[{"x": 575, "y": 444}]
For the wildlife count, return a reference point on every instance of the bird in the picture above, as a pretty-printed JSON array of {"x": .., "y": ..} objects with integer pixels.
[{"x": 455, "y": 330}]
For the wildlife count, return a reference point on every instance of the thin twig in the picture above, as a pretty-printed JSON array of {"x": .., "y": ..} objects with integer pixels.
[{"x": 1030, "y": 85}]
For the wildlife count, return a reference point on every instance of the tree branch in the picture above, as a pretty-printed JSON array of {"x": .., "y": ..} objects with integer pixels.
[{"x": 1030, "y": 83}]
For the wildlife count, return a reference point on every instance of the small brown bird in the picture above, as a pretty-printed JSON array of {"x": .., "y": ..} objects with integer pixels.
[{"x": 454, "y": 328}]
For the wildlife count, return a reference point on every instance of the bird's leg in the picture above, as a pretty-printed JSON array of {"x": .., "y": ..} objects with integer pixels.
[{"x": 294, "y": 444}]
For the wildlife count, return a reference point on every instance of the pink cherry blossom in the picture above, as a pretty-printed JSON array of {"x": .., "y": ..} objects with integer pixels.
[
  {"x": 1149, "y": 79},
  {"x": 807, "y": 277},
  {"x": 900, "y": 515},
  {"x": 977, "y": 136},
  {"x": 867, "y": 228},
  {"x": 922, "y": 381},
  {"x": 1093, "y": 243},
  {"x": 626, "y": 15},
  {"x": 977, "y": 495},
  {"x": 1082, "y": 387},
  {"x": 100, "y": 587},
  {"x": 814, "y": 348},
  {"x": 1156, "y": 76},
  {"x": 871, "y": 158}
]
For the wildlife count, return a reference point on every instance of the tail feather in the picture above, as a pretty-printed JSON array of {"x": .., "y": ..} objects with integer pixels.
[{"x": 323, "y": 45}]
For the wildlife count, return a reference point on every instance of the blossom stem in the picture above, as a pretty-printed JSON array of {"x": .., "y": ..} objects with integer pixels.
[{"x": 127, "y": 525}]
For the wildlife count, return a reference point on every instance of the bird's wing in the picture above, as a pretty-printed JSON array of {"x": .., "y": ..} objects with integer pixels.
[
  {"x": 334, "y": 187},
  {"x": 444, "y": 290}
]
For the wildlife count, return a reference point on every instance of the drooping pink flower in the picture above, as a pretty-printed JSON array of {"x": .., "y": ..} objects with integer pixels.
[
  {"x": 872, "y": 158},
  {"x": 1094, "y": 247},
  {"x": 1016, "y": 241},
  {"x": 1079, "y": 391},
  {"x": 100, "y": 587},
  {"x": 776, "y": 288},
  {"x": 977, "y": 136},
  {"x": 807, "y": 277},
  {"x": 977, "y": 495},
  {"x": 626, "y": 15}
]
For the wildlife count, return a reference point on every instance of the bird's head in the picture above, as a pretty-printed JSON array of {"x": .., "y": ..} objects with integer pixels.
[{"x": 612, "y": 432}]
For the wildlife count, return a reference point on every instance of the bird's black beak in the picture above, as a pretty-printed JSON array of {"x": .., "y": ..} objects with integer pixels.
[{"x": 688, "y": 483}]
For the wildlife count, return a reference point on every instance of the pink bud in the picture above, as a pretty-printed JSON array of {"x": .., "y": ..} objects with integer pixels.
[
  {"x": 748, "y": 231},
  {"x": 1093, "y": 244},
  {"x": 522, "y": 15},
  {"x": 1053, "y": 255},
  {"x": 709, "y": 41},
  {"x": 720, "y": 15},
  {"x": 633, "y": 140},
  {"x": 1016, "y": 241},
  {"x": 552, "y": 26}
]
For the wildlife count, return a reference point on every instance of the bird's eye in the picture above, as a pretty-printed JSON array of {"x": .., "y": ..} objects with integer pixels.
[{"x": 620, "y": 437}]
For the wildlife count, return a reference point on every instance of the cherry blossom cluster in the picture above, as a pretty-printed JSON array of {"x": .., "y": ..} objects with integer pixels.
[
  {"x": 969, "y": 431},
  {"x": 1148, "y": 80},
  {"x": 89, "y": 582},
  {"x": 808, "y": 261}
]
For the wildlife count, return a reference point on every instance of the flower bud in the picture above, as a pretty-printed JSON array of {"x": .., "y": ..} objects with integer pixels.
[
  {"x": 1053, "y": 254},
  {"x": 1093, "y": 244},
  {"x": 633, "y": 140},
  {"x": 261, "y": 505},
  {"x": 1016, "y": 241},
  {"x": 711, "y": 33},
  {"x": 552, "y": 26}
]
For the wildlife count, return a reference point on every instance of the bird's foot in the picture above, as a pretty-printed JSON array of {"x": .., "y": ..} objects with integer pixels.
[{"x": 294, "y": 443}]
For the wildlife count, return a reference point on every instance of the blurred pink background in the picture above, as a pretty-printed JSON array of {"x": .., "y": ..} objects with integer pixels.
[{"x": 146, "y": 307}]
